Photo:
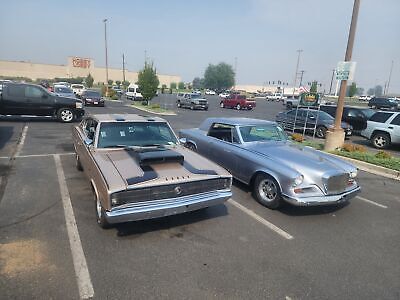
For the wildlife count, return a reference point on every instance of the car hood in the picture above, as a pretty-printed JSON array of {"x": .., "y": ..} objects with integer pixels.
[
  {"x": 121, "y": 169},
  {"x": 302, "y": 159},
  {"x": 62, "y": 99}
]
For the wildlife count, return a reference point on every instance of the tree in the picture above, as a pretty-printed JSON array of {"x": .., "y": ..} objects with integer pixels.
[
  {"x": 89, "y": 80},
  {"x": 172, "y": 85},
  {"x": 118, "y": 82},
  {"x": 198, "y": 83},
  {"x": 125, "y": 83},
  {"x": 360, "y": 91},
  {"x": 181, "y": 85},
  {"x": 352, "y": 89},
  {"x": 219, "y": 77},
  {"x": 148, "y": 81},
  {"x": 371, "y": 91},
  {"x": 378, "y": 90},
  {"x": 110, "y": 81},
  {"x": 314, "y": 87}
]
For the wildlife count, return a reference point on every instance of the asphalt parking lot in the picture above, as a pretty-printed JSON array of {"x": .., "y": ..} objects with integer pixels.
[{"x": 49, "y": 237}]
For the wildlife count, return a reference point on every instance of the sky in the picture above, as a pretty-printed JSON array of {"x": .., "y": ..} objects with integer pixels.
[{"x": 183, "y": 37}]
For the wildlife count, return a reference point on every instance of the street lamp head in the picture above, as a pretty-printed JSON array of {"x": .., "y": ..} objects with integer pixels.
[{"x": 105, "y": 20}]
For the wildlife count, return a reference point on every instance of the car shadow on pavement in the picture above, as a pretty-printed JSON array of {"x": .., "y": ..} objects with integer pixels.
[
  {"x": 141, "y": 227},
  {"x": 6, "y": 133}
]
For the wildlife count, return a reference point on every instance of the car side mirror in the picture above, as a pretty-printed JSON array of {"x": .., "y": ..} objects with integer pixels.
[
  {"x": 183, "y": 141},
  {"x": 88, "y": 141}
]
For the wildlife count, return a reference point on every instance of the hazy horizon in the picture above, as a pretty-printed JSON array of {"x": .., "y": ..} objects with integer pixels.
[{"x": 183, "y": 37}]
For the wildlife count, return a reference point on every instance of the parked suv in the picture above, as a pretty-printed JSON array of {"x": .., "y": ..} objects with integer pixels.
[
  {"x": 238, "y": 102},
  {"x": 383, "y": 103},
  {"x": 383, "y": 129},
  {"x": 34, "y": 100},
  {"x": 192, "y": 101}
]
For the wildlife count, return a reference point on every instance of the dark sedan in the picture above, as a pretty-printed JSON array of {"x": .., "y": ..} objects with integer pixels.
[
  {"x": 90, "y": 97},
  {"x": 307, "y": 120},
  {"x": 357, "y": 117},
  {"x": 383, "y": 103}
]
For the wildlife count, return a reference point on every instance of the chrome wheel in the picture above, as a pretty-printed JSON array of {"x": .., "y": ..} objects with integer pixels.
[
  {"x": 221, "y": 104},
  {"x": 268, "y": 190},
  {"x": 98, "y": 209},
  {"x": 66, "y": 115},
  {"x": 381, "y": 141},
  {"x": 238, "y": 107}
]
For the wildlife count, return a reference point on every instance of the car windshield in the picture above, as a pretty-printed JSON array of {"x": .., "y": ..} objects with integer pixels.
[
  {"x": 63, "y": 90},
  {"x": 135, "y": 134},
  {"x": 77, "y": 86},
  {"x": 92, "y": 94},
  {"x": 194, "y": 96},
  {"x": 253, "y": 133}
]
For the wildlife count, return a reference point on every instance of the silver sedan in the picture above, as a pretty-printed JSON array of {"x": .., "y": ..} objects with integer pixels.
[{"x": 259, "y": 153}]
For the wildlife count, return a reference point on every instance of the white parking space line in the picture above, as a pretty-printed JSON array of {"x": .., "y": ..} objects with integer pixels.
[
  {"x": 256, "y": 217},
  {"x": 21, "y": 141},
  {"x": 38, "y": 155},
  {"x": 372, "y": 202},
  {"x": 81, "y": 269}
]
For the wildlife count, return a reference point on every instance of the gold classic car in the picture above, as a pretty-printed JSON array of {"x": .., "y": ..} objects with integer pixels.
[{"x": 138, "y": 169}]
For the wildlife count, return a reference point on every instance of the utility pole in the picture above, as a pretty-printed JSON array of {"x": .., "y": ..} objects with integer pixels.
[
  {"x": 301, "y": 77},
  {"x": 123, "y": 67},
  {"x": 330, "y": 87},
  {"x": 145, "y": 56},
  {"x": 390, "y": 77},
  {"x": 297, "y": 70},
  {"x": 105, "y": 43},
  {"x": 235, "y": 72},
  {"x": 335, "y": 137}
]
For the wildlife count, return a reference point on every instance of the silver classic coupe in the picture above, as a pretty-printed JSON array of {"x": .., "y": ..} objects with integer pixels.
[{"x": 259, "y": 153}]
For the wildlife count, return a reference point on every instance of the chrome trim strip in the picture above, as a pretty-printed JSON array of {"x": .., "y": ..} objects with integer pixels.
[
  {"x": 166, "y": 207},
  {"x": 322, "y": 200}
]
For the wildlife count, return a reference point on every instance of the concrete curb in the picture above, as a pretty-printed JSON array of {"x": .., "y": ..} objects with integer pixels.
[
  {"x": 111, "y": 100},
  {"x": 370, "y": 168},
  {"x": 152, "y": 112}
]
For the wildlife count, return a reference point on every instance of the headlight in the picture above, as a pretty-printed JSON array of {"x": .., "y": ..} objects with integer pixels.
[
  {"x": 298, "y": 180},
  {"x": 228, "y": 183},
  {"x": 353, "y": 174},
  {"x": 78, "y": 104},
  {"x": 114, "y": 200}
]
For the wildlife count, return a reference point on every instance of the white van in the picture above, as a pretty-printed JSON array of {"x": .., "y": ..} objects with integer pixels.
[{"x": 133, "y": 92}]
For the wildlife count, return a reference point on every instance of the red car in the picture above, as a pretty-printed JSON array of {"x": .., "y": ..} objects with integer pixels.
[{"x": 237, "y": 101}]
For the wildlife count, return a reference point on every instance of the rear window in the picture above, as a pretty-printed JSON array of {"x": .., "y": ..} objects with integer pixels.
[
  {"x": 92, "y": 94},
  {"x": 380, "y": 117},
  {"x": 16, "y": 90}
]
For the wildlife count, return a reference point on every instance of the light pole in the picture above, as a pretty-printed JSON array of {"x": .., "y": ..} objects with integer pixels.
[
  {"x": 330, "y": 87},
  {"x": 301, "y": 77},
  {"x": 297, "y": 70},
  {"x": 390, "y": 77},
  {"x": 335, "y": 137},
  {"x": 105, "y": 43}
]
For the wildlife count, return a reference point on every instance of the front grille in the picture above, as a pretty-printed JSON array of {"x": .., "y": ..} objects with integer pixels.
[
  {"x": 170, "y": 191},
  {"x": 337, "y": 183},
  {"x": 202, "y": 102}
]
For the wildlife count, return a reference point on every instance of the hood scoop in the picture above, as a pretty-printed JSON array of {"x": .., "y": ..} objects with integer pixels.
[{"x": 151, "y": 157}]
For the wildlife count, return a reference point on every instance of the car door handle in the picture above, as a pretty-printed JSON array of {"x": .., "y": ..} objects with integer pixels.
[{"x": 390, "y": 127}]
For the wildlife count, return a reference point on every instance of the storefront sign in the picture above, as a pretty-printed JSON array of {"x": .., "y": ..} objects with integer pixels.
[{"x": 79, "y": 62}]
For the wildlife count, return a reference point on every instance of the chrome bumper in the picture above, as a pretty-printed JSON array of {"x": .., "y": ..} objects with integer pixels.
[
  {"x": 322, "y": 200},
  {"x": 166, "y": 207}
]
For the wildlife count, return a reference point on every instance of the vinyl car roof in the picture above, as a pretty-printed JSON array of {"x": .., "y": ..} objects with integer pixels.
[
  {"x": 125, "y": 118},
  {"x": 232, "y": 121}
]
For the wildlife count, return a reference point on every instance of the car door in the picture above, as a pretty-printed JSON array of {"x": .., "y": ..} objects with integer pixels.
[
  {"x": 356, "y": 119},
  {"x": 13, "y": 100},
  {"x": 395, "y": 127},
  {"x": 38, "y": 101}
]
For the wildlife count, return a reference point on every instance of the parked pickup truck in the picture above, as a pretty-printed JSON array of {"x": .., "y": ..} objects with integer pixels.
[
  {"x": 34, "y": 100},
  {"x": 276, "y": 97},
  {"x": 238, "y": 102},
  {"x": 192, "y": 101}
]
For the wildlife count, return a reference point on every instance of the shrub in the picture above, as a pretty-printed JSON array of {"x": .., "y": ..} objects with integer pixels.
[
  {"x": 297, "y": 137},
  {"x": 144, "y": 103},
  {"x": 115, "y": 97},
  {"x": 353, "y": 148},
  {"x": 155, "y": 105},
  {"x": 383, "y": 155}
]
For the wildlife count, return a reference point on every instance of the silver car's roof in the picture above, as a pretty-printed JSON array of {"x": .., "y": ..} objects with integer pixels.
[{"x": 233, "y": 121}]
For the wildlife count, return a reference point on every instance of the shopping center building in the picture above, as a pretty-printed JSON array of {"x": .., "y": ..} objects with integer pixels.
[{"x": 75, "y": 67}]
